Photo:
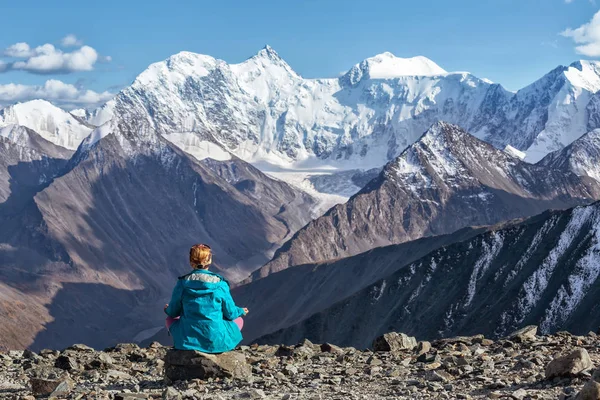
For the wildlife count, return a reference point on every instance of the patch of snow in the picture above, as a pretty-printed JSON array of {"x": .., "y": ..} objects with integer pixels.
[
  {"x": 536, "y": 284},
  {"x": 195, "y": 146},
  {"x": 514, "y": 152},
  {"x": 489, "y": 252},
  {"x": 584, "y": 275}
]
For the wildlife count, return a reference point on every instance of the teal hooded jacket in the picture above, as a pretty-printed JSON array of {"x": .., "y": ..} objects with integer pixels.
[{"x": 206, "y": 309}]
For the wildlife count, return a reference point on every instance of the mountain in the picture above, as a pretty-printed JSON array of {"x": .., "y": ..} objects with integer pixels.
[
  {"x": 580, "y": 157},
  {"x": 282, "y": 299},
  {"x": 96, "y": 250},
  {"x": 445, "y": 181},
  {"x": 52, "y": 123},
  {"x": 27, "y": 161},
  {"x": 543, "y": 271},
  {"x": 295, "y": 128}
]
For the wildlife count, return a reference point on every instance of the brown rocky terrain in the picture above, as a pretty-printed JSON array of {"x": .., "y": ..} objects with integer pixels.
[{"x": 520, "y": 366}]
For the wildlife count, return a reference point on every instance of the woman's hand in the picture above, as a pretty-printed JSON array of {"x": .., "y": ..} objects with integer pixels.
[{"x": 245, "y": 310}]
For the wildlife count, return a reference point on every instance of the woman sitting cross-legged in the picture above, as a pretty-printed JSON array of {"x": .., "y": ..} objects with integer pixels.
[{"x": 202, "y": 315}]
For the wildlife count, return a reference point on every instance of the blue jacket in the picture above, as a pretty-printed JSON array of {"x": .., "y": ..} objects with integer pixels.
[{"x": 203, "y": 302}]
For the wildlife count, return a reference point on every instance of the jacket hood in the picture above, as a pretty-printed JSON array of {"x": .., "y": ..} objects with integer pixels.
[{"x": 202, "y": 282}]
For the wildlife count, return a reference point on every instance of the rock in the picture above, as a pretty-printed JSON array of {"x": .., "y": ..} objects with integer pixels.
[
  {"x": 519, "y": 394},
  {"x": 394, "y": 341},
  {"x": 330, "y": 348},
  {"x": 66, "y": 363},
  {"x": 130, "y": 396},
  {"x": 284, "y": 351},
  {"x": 428, "y": 358},
  {"x": 182, "y": 365},
  {"x": 423, "y": 347},
  {"x": 524, "y": 334},
  {"x": 591, "y": 390},
  {"x": 81, "y": 347},
  {"x": 572, "y": 364},
  {"x": 62, "y": 389},
  {"x": 171, "y": 393},
  {"x": 439, "y": 376},
  {"x": 45, "y": 380}
]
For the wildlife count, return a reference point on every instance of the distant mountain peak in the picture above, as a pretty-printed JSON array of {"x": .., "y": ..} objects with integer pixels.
[
  {"x": 268, "y": 52},
  {"x": 387, "y": 66}
]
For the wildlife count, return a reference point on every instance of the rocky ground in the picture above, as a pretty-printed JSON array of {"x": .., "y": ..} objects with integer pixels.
[{"x": 522, "y": 366}]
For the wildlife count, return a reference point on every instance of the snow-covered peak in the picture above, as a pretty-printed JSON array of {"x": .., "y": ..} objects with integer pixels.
[
  {"x": 177, "y": 68},
  {"x": 52, "y": 123},
  {"x": 16, "y": 134},
  {"x": 266, "y": 65},
  {"x": 268, "y": 52},
  {"x": 582, "y": 157},
  {"x": 584, "y": 74},
  {"x": 388, "y": 66}
]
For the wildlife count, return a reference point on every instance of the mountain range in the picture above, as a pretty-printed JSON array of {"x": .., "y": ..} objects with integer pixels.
[
  {"x": 99, "y": 207},
  {"x": 541, "y": 271},
  {"x": 445, "y": 181}
]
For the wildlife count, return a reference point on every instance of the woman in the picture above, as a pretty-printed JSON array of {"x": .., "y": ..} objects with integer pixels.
[{"x": 202, "y": 315}]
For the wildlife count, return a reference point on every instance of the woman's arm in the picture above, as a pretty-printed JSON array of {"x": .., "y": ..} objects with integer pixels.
[
  {"x": 230, "y": 310},
  {"x": 175, "y": 306}
]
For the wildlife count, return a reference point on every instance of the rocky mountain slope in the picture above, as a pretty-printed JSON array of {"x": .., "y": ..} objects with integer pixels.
[
  {"x": 542, "y": 271},
  {"x": 97, "y": 249},
  {"x": 523, "y": 366},
  {"x": 447, "y": 180},
  {"x": 282, "y": 299},
  {"x": 580, "y": 157}
]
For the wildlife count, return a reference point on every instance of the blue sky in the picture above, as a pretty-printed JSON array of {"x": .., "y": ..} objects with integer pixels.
[{"x": 512, "y": 42}]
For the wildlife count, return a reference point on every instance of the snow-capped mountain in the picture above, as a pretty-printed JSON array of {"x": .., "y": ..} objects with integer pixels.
[
  {"x": 265, "y": 113},
  {"x": 445, "y": 181},
  {"x": 262, "y": 110},
  {"x": 543, "y": 271},
  {"x": 27, "y": 161},
  {"x": 52, "y": 123},
  {"x": 581, "y": 157}
]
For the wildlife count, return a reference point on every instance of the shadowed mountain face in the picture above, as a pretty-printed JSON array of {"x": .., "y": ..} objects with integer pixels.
[
  {"x": 292, "y": 295},
  {"x": 27, "y": 161},
  {"x": 121, "y": 218},
  {"x": 447, "y": 180},
  {"x": 543, "y": 271}
]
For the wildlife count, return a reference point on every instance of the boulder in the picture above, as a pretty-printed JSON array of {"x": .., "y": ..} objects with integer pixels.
[
  {"x": 182, "y": 365},
  {"x": 422, "y": 348},
  {"x": 394, "y": 341},
  {"x": 524, "y": 334},
  {"x": 591, "y": 390},
  {"x": 573, "y": 363},
  {"x": 66, "y": 363},
  {"x": 331, "y": 348},
  {"x": 49, "y": 380}
]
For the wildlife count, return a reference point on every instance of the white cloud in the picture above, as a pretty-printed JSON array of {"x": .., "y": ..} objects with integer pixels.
[
  {"x": 587, "y": 36},
  {"x": 58, "y": 92},
  {"x": 20, "y": 50},
  {"x": 47, "y": 59},
  {"x": 71, "y": 41}
]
